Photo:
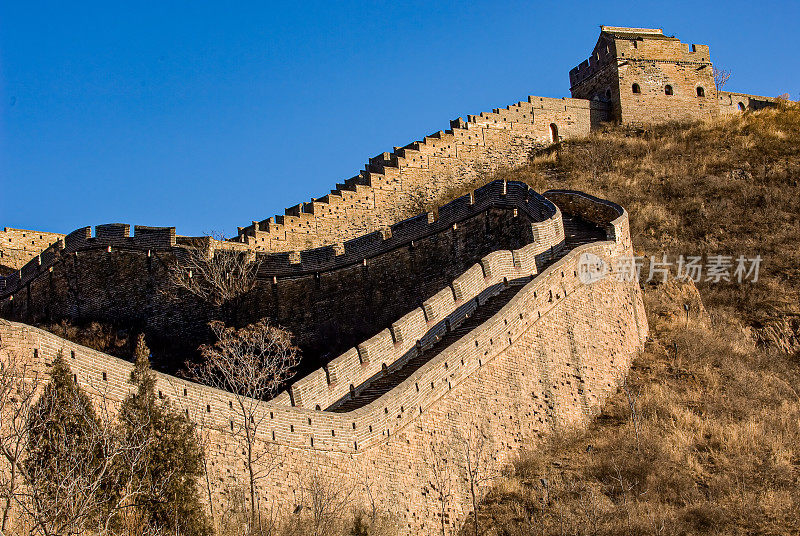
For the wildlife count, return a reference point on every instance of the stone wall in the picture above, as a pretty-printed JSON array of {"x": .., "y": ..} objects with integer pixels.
[
  {"x": 19, "y": 246},
  {"x": 396, "y": 185},
  {"x": 331, "y": 297},
  {"x": 736, "y": 103},
  {"x": 545, "y": 361}
]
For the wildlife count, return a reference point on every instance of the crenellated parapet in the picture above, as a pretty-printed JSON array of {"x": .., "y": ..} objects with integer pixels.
[
  {"x": 509, "y": 195},
  {"x": 302, "y": 407},
  {"x": 106, "y": 236},
  {"x": 392, "y": 182},
  {"x": 19, "y": 246},
  {"x": 516, "y": 345},
  {"x": 330, "y": 297}
]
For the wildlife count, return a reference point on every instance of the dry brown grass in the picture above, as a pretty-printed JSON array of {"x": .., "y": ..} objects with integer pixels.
[
  {"x": 728, "y": 187},
  {"x": 718, "y": 449},
  {"x": 717, "y": 399}
]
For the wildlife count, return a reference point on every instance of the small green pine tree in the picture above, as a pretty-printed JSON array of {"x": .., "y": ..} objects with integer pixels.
[
  {"x": 65, "y": 467},
  {"x": 166, "y": 473}
]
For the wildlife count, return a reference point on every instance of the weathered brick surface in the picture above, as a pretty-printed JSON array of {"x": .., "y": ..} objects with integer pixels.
[
  {"x": 546, "y": 360},
  {"x": 646, "y": 77},
  {"x": 19, "y": 246},
  {"x": 330, "y": 301},
  {"x": 394, "y": 183},
  {"x": 524, "y": 377},
  {"x": 364, "y": 289}
]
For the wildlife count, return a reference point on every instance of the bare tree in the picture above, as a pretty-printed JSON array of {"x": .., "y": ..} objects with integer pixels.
[
  {"x": 216, "y": 271},
  {"x": 474, "y": 455},
  {"x": 252, "y": 364},
  {"x": 324, "y": 500},
  {"x": 632, "y": 396},
  {"x": 19, "y": 386},
  {"x": 204, "y": 431},
  {"x": 721, "y": 77},
  {"x": 439, "y": 459}
]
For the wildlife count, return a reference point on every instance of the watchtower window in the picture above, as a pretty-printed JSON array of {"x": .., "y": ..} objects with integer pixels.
[
  {"x": 741, "y": 106},
  {"x": 608, "y": 94},
  {"x": 668, "y": 90},
  {"x": 636, "y": 88},
  {"x": 701, "y": 92}
]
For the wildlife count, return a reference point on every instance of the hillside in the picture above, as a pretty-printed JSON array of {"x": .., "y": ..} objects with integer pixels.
[{"x": 704, "y": 437}]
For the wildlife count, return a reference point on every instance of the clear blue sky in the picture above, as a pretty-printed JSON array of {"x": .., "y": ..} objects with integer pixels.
[{"x": 206, "y": 116}]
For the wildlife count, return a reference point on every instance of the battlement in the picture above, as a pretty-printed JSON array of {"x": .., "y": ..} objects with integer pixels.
[
  {"x": 618, "y": 44},
  {"x": 106, "y": 236},
  {"x": 119, "y": 279},
  {"x": 356, "y": 369},
  {"x": 378, "y": 196},
  {"x": 297, "y": 419},
  {"x": 499, "y": 194},
  {"x": 19, "y": 246}
]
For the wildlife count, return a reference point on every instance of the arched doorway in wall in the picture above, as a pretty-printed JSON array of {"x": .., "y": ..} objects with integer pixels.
[
  {"x": 741, "y": 106},
  {"x": 554, "y": 133}
]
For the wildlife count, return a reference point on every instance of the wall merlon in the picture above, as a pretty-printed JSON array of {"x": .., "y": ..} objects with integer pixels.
[
  {"x": 437, "y": 306},
  {"x": 409, "y": 329},
  {"x": 157, "y": 237},
  {"x": 377, "y": 350},
  {"x": 499, "y": 265},
  {"x": 77, "y": 239},
  {"x": 469, "y": 284},
  {"x": 342, "y": 370},
  {"x": 112, "y": 230},
  {"x": 311, "y": 390}
]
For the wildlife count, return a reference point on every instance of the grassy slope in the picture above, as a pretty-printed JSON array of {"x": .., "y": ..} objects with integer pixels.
[{"x": 716, "y": 401}]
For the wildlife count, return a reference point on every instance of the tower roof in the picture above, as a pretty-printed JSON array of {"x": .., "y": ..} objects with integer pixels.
[{"x": 635, "y": 33}]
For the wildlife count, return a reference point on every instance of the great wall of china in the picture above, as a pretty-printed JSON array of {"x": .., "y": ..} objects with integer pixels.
[
  {"x": 415, "y": 331},
  {"x": 546, "y": 351}
]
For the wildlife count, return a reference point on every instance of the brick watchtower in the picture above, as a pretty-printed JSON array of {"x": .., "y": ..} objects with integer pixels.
[{"x": 647, "y": 77}]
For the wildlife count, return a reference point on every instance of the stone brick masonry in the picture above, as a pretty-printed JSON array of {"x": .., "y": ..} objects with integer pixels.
[
  {"x": 19, "y": 246},
  {"x": 546, "y": 360},
  {"x": 673, "y": 81},
  {"x": 417, "y": 332}
]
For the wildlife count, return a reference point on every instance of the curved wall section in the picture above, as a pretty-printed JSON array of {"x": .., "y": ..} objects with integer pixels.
[
  {"x": 331, "y": 298},
  {"x": 546, "y": 360}
]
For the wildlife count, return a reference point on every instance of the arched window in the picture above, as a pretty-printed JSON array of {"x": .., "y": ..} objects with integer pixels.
[
  {"x": 701, "y": 92},
  {"x": 668, "y": 90},
  {"x": 608, "y": 94},
  {"x": 554, "y": 133},
  {"x": 741, "y": 106},
  {"x": 636, "y": 88}
]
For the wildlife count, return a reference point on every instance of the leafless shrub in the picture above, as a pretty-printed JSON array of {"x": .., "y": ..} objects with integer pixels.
[
  {"x": 442, "y": 472},
  {"x": 216, "y": 272},
  {"x": 721, "y": 77},
  {"x": 20, "y": 381},
  {"x": 473, "y": 453},
  {"x": 324, "y": 501},
  {"x": 252, "y": 364}
]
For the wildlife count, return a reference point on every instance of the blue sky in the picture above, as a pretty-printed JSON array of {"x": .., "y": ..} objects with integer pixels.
[{"x": 206, "y": 116}]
